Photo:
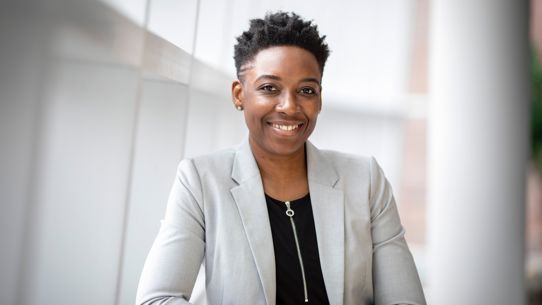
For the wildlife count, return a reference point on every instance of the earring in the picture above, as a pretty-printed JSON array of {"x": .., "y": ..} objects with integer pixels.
[{"x": 239, "y": 107}]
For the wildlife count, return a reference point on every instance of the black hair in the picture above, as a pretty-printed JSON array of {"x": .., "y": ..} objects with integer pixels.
[{"x": 280, "y": 29}]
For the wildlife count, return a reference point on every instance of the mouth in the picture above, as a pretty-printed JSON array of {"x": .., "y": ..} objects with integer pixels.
[{"x": 286, "y": 128}]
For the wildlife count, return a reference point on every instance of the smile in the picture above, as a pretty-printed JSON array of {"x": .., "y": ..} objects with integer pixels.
[{"x": 286, "y": 127}]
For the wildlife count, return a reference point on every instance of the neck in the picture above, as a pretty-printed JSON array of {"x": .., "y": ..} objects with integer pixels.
[{"x": 284, "y": 176}]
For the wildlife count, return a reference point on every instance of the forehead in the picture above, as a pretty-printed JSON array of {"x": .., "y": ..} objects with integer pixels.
[{"x": 284, "y": 62}]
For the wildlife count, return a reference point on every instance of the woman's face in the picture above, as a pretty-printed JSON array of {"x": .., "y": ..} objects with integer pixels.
[{"x": 281, "y": 95}]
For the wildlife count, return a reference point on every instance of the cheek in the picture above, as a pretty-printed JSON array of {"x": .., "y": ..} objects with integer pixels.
[
  {"x": 312, "y": 110},
  {"x": 258, "y": 107},
  {"x": 249, "y": 118},
  {"x": 253, "y": 117}
]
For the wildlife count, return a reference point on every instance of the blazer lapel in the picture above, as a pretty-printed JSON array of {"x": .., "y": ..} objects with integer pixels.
[
  {"x": 328, "y": 210},
  {"x": 250, "y": 199}
]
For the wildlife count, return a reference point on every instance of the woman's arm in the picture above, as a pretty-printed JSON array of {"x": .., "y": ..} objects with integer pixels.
[
  {"x": 395, "y": 278},
  {"x": 174, "y": 260}
]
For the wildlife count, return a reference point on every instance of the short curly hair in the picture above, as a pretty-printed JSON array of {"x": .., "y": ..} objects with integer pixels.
[{"x": 280, "y": 29}]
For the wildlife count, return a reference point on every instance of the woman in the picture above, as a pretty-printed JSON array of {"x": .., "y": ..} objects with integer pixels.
[{"x": 276, "y": 220}]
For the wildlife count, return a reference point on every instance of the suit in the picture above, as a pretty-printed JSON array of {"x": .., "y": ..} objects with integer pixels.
[{"x": 217, "y": 214}]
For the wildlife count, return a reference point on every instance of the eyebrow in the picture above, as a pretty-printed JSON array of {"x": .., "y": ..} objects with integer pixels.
[
  {"x": 274, "y": 77},
  {"x": 311, "y": 79},
  {"x": 267, "y": 76}
]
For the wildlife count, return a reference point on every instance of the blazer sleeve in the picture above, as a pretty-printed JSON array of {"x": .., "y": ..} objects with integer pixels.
[
  {"x": 172, "y": 265},
  {"x": 395, "y": 278}
]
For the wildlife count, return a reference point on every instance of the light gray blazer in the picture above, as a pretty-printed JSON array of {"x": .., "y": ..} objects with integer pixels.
[{"x": 217, "y": 213}]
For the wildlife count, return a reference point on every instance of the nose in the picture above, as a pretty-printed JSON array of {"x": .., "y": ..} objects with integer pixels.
[{"x": 288, "y": 103}]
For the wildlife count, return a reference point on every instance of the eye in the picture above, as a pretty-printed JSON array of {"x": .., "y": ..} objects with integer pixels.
[
  {"x": 308, "y": 91},
  {"x": 268, "y": 88}
]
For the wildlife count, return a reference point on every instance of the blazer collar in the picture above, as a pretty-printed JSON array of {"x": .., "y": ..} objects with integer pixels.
[
  {"x": 328, "y": 211},
  {"x": 244, "y": 164},
  {"x": 249, "y": 197},
  {"x": 319, "y": 169}
]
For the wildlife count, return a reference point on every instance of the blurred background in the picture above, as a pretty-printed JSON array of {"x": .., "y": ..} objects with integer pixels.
[{"x": 100, "y": 100}]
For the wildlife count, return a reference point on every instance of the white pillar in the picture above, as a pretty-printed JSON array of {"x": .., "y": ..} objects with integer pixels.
[{"x": 478, "y": 149}]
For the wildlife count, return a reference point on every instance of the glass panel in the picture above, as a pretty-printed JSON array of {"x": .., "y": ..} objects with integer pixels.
[
  {"x": 82, "y": 180},
  {"x": 160, "y": 136},
  {"x": 175, "y": 21},
  {"x": 133, "y": 9}
]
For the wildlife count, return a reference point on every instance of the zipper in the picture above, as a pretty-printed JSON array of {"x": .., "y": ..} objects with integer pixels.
[{"x": 290, "y": 213}]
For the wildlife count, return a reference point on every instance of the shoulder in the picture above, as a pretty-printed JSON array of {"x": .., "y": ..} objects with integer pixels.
[
  {"x": 360, "y": 177},
  {"x": 349, "y": 163},
  {"x": 217, "y": 161},
  {"x": 354, "y": 171},
  {"x": 214, "y": 165}
]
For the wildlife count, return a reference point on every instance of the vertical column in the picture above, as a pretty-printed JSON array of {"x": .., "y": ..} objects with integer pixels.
[{"x": 478, "y": 149}]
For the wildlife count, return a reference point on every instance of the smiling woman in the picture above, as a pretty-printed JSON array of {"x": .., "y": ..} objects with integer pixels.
[{"x": 276, "y": 220}]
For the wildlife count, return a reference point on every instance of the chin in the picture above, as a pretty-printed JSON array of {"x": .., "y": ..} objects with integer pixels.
[
  {"x": 277, "y": 146},
  {"x": 286, "y": 148}
]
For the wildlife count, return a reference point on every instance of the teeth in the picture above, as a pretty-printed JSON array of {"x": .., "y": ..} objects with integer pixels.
[{"x": 285, "y": 127}]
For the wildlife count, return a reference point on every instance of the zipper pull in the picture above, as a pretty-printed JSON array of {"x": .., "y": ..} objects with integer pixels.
[{"x": 289, "y": 210}]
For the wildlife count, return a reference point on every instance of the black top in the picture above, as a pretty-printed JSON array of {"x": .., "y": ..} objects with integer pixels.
[{"x": 288, "y": 269}]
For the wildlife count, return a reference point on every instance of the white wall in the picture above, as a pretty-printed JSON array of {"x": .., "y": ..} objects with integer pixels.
[
  {"x": 94, "y": 116},
  {"x": 157, "y": 148}
]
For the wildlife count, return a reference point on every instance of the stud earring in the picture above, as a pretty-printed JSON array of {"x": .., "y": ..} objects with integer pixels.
[{"x": 239, "y": 107}]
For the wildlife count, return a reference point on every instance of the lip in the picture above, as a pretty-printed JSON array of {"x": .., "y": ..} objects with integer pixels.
[{"x": 288, "y": 128}]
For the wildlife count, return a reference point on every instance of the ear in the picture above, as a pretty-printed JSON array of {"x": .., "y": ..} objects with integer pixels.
[{"x": 237, "y": 93}]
